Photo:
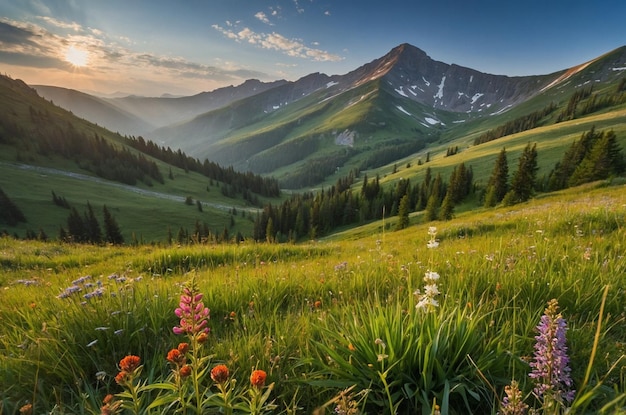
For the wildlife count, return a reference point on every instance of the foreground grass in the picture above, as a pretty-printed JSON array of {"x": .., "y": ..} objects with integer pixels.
[{"x": 322, "y": 317}]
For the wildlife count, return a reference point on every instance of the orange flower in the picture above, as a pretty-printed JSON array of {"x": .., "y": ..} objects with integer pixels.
[
  {"x": 107, "y": 399},
  {"x": 202, "y": 338},
  {"x": 185, "y": 371},
  {"x": 176, "y": 357},
  {"x": 26, "y": 409},
  {"x": 121, "y": 378},
  {"x": 257, "y": 378},
  {"x": 129, "y": 363},
  {"x": 220, "y": 373},
  {"x": 318, "y": 304},
  {"x": 183, "y": 347},
  {"x": 351, "y": 347}
]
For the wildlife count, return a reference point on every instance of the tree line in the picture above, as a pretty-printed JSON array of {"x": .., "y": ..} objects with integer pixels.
[
  {"x": 314, "y": 215},
  {"x": 526, "y": 122},
  {"x": 238, "y": 181}
]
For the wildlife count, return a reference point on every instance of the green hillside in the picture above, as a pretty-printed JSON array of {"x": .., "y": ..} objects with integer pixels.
[{"x": 45, "y": 149}]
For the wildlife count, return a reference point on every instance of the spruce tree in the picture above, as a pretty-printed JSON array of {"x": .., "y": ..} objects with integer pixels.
[
  {"x": 76, "y": 230},
  {"x": 498, "y": 182},
  {"x": 403, "y": 213},
  {"x": 447, "y": 207},
  {"x": 92, "y": 227},
  {"x": 112, "y": 230},
  {"x": 523, "y": 182}
]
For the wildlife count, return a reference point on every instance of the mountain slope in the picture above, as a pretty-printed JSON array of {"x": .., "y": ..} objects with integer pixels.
[{"x": 96, "y": 110}]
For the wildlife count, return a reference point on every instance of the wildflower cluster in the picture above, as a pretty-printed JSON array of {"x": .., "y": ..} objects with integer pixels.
[
  {"x": 186, "y": 389},
  {"x": 193, "y": 314},
  {"x": 550, "y": 368},
  {"x": 427, "y": 300},
  {"x": 432, "y": 233},
  {"x": 513, "y": 402},
  {"x": 551, "y": 364}
]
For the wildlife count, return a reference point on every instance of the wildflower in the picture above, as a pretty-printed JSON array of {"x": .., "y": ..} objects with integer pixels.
[
  {"x": 101, "y": 376},
  {"x": 257, "y": 378},
  {"x": 317, "y": 304},
  {"x": 26, "y": 409},
  {"x": 175, "y": 357},
  {"x": 550, "y": 365},
  {"x": 513, "y": 403},
  {"x": 121, "y": 378},
  {"x": 220, "y": 373},
  {"x": 183, "y": 347},
  {"x": 185, "y": 371},
  {"x": 129, "y": 363},
  {"x": 192, "y": 313},
  {"x": 110, "y": 405},
  {"x": 432, "y": 233},
  {"x": 427, "y": 301}
]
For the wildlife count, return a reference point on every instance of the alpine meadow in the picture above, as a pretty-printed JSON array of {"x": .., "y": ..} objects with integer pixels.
[{"x": 411, "y": 237}]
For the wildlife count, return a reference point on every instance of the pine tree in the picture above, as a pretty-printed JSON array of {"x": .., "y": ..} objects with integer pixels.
[
  {"x": 9, "y": 212},
  {"x": 447, "y": 207},
  {"x": 523, "y": 182},
  {"x": 498, "y": 182},
  {"x": 112, "y": 230},
  {"x": 403, "y": 213},
  {"x": 76, "y": 226},
  {"x": 92, "y": 227}
]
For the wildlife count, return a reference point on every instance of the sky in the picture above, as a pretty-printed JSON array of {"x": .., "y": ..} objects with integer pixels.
[{"x": 183, "y": 47}]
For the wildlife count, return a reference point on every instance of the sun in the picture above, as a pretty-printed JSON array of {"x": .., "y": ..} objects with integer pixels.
[{"x": 76, "y": 56}]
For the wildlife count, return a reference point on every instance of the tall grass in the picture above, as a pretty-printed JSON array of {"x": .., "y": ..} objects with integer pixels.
[{"x": 332, "y": 322}]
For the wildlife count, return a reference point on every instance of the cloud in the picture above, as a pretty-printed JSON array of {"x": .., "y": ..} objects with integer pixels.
[
  {"x": 262, "y": 17},
  {"x": 278, "y": 42},
  {"x": 60, "y": 24}
]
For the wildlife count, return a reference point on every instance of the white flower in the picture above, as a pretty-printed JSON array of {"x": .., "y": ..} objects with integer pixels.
[
  {"x": 432, "y": 230},
  {"x": 432, "y": 244},
  {"x": 431, "y": 290},
  {"x": 432, "y": 276}
]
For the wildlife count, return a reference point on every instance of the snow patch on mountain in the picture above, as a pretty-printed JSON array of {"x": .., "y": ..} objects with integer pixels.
[
  {"x": 439, "y": 93},
  {"x": 619, "y": 69},
  {"x": 425, "y": 81},
  {"x": 476, "y": 97},
  {"x": 500, "y": 111},
  {"x": 331, "y": 84},
  {"x": 345, "y": 138},
  {"x": 432, "y": 121},
  {"x": 403, "y": 110},
  {"x": 400, "y": 91}
]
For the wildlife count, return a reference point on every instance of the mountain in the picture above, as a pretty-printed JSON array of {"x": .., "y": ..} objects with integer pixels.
[
  {"x": 400, "y": 104},
  {"x": 96, "y": 110},
  {"x": 163, "y": 111},
  {"x": 385, "y": 109}
]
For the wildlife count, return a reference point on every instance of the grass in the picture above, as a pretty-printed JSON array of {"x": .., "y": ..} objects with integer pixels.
[{"x": 333, "y": 320}]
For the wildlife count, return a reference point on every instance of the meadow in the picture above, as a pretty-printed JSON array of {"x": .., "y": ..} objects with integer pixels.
[{"x": 438, "y": 318}]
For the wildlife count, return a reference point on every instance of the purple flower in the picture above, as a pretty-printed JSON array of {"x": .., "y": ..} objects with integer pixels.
[
  {"x": 550, "y": 366},
  {"x": 192, "y": 313}
]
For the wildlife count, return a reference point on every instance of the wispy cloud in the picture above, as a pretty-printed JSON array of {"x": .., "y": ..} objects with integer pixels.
[
  {"x": 278, "y": 42},
  {"x": 31, "y": 45},
  {"x": 263, "y": 17}
]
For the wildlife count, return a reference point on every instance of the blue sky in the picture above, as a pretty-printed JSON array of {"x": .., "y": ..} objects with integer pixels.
[{"x": 151, "y": 47}]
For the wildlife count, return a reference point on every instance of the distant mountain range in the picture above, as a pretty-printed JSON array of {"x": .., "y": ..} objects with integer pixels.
[{"x": 399, "y": 102}]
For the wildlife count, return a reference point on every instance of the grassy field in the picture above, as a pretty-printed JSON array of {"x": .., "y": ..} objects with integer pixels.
[{"x": 334, "y": 324}]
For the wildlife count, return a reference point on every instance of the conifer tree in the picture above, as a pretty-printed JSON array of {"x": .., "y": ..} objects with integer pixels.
[
  {"x": 92, "y": 227},
  {"x": 523, "y": 182},
  {"x": 76, "y": 230},
  {"x": 498, "y": 182},
  {"x": 403, "y": 213},
  {"x": 112, "y": 230},
  {"x": 447, "y": 207}
]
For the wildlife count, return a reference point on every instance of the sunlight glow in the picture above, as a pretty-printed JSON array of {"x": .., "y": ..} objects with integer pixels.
[{"x": 76, "y": 56}]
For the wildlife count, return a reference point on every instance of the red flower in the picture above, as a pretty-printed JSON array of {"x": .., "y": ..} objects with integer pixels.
[
  {"x": 185, "y": 371},
  {"x": 183, "y": 347},
  {"x": 121, "y": 378},
  {"x": 129, "y": 363},
  {"x": 257, "y": 378},
  {"x": 220, "y": 374},
  {"x": 176, "y": 357}
]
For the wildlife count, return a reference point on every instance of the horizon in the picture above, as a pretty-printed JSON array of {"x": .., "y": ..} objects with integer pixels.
[{"x": 165, "y": 49}]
